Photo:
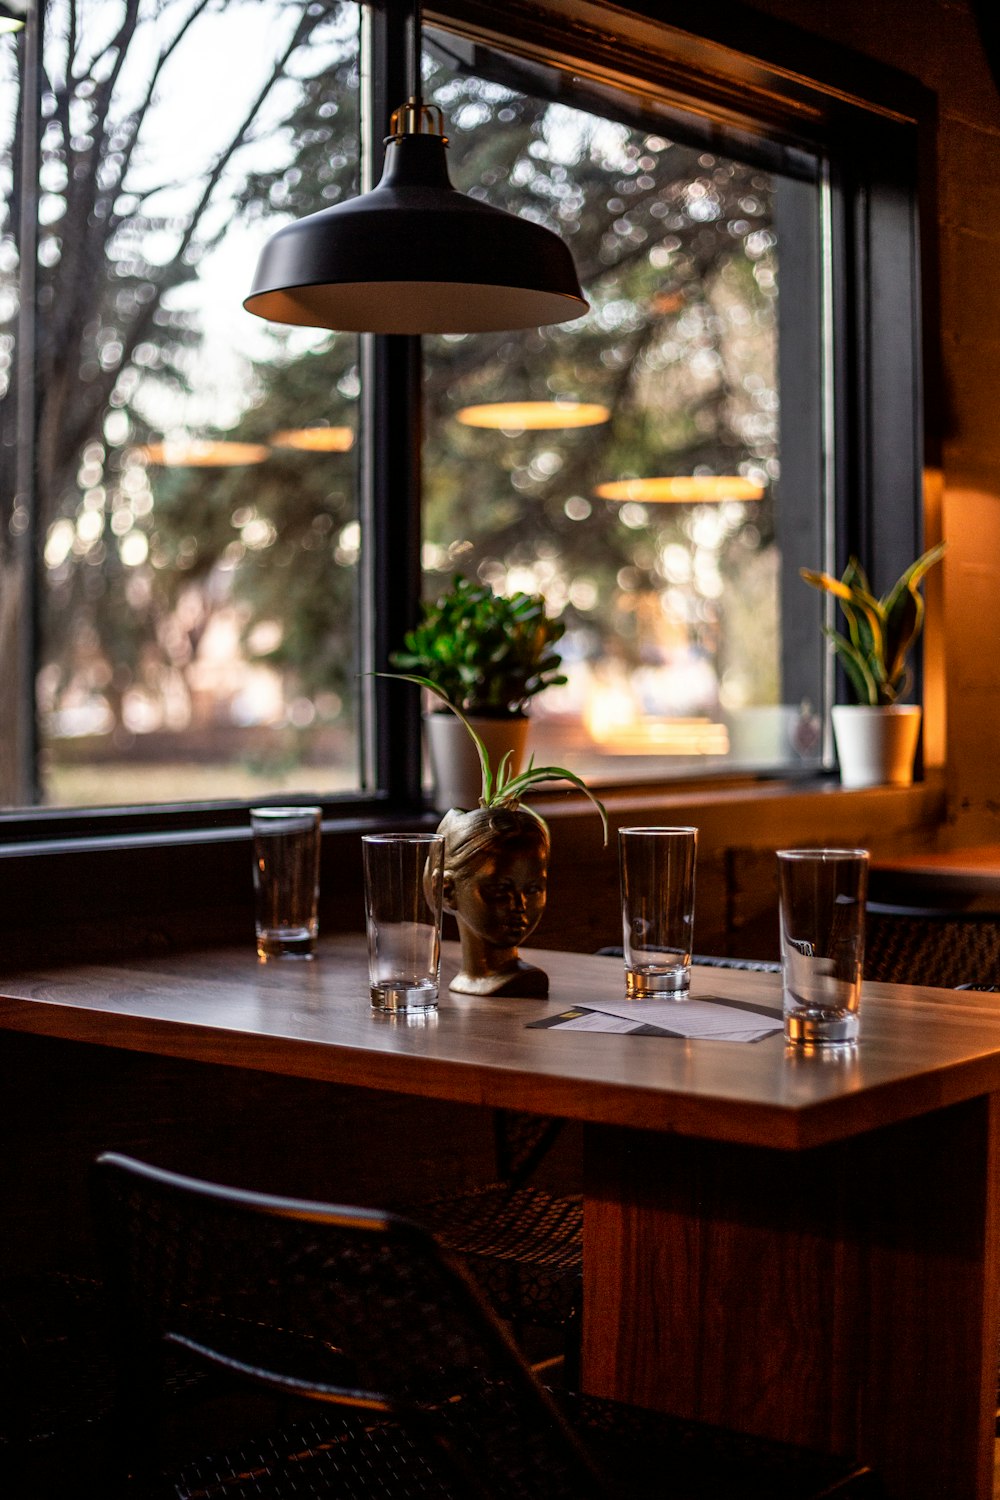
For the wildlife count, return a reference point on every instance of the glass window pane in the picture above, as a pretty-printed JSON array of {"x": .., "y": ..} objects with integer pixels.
[
  {"x": 655, "y": 527},
  {"x": 197, "y": 495}
]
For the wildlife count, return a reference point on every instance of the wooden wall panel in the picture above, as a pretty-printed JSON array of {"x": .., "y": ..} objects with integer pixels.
[
  {"x": 736, "y": 912},
  {"x": 64, "y": 1103},
  {"x": 774, "y": 1280}
]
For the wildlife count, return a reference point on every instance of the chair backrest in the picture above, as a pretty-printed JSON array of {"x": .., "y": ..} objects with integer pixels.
[
  {"x": 929, "y": 945},
  {"x": 521, "y": 1142},
  {"x": 712, "y": 961},
  {"x": 911, "y": 945},
  {"x": 338, "y": 1305}
]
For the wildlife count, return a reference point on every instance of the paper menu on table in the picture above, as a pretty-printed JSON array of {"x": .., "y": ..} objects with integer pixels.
[{"x": 709, "y": 1018}]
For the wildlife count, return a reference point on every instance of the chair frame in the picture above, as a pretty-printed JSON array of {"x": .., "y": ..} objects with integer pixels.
[
  {"x": 405, "y": 1347},
  {"x": 126, "y": 1191}
]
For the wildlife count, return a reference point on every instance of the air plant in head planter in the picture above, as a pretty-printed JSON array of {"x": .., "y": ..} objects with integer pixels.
[{"x": 496, "y": 859}]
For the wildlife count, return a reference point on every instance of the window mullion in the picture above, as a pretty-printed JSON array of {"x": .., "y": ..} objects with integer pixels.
[
  {"x": 390, "y": 466},
  {"x": 25, "y": 524}
]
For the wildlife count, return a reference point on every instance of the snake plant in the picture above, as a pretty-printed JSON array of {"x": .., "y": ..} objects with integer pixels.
[{"x": 880, "y": 631}]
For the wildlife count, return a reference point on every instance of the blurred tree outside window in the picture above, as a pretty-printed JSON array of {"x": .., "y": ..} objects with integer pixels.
[
  {"x": 197, "y": 495},
  {"x": 673, "y": 644}
]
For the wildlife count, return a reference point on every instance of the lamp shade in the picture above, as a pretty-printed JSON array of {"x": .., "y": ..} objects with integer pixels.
[
  {"x": 13, "y": 15},
  {"x": 415, "y": 256}
]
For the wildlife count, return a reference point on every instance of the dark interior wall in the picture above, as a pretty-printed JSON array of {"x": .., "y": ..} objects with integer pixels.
[
  {"x": 736, "y": 903},
  {"x": 166, "y": 895},
  {"x": 65, "y": 1102},
  {"x": 938, "y": 42}
]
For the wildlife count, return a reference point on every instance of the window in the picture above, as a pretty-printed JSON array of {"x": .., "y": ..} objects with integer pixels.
[
  {"x": 195, "y": 508},
  {"x": 655, "y": 528},
  {"x": 204, "y": 626}
]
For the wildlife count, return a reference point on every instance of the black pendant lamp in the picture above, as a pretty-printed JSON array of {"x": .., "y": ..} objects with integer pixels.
[{"x": 413, "y": 255}]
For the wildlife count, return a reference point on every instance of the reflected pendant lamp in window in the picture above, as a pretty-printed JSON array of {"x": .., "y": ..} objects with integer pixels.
[
  {"x": 13, "y": 15},
  {"x": 413, "y": 255}
]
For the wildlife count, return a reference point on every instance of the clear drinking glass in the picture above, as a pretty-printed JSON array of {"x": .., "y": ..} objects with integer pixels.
[
  {"x": 286, "y": 844},
  {"x": 657, "y": 888},
  {"x": 822, "y": 909},
  {"x": 403, "y": 893}
]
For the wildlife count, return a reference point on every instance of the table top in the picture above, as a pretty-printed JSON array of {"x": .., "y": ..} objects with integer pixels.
[
  {"x": 984, "y": 858},
  {"x": 921, "y": 1048},
  {"x": 971, "y": 875}
]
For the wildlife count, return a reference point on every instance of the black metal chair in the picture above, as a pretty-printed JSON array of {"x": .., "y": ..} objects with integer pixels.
[
  {"x": 396, "y": 1377},
  {"x": 714, "y": 961},
  {"x": 58, "y": 1386},
  {"x": 521, "y": 1242},
  {"x": 931, "y": 945},
  {"x": 56, "y": 1381},
  {"x": 911, "y": 945}
]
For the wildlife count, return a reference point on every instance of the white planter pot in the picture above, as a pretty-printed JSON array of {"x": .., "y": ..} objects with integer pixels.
[
  {"x": 454, "y": 761},
  {"x": 876, "y": 746}
]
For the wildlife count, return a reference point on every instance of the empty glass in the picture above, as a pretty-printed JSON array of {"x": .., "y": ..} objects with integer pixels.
[
  {"x": 822, "y": 908},
  {"x": 403, "y": 890},
  {"x": 286, "y": 844},
  {"x": 657, "y": 889}
]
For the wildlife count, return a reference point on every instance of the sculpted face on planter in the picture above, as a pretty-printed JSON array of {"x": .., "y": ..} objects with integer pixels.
[{"x": 495, "y": 874}]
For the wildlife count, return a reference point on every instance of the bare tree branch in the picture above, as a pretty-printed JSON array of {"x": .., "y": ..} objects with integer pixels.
[
  {"x": 75, "y": 382},
  {"x": 79, "y": 250},
  {"x": 73, "y": 407},
  {"x": 306, "y": 26},
  {"x": 117, "y": 44},
  {"x": 139, "y": 114}
]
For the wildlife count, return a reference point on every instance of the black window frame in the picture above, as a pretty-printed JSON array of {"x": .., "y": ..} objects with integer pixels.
[{"x": 736, "y": 69}]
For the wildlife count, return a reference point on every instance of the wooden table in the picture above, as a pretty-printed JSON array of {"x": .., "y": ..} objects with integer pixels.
[
  {"x": 968, "y": 879},
  {"x": 805, "y": 1247}
]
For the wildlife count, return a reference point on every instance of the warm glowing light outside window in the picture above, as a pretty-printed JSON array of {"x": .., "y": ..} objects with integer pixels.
[
  {"x": 134, "y": 549},
  {"x": 315, "y": 439},
  {"x": 682, "y": 490},
  {"x": 534, "y": 416},
  {"x": 203, "y": 454}
]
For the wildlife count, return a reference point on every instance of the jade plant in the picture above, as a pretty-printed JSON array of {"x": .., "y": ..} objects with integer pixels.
[
  {"x": 880, "y": 631},
  {"x": 484, "y": 653},
  {"x": 500, "y": 787}
]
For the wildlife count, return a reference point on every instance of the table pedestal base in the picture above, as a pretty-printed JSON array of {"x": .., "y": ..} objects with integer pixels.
[{"x": 846, "y": 1297}]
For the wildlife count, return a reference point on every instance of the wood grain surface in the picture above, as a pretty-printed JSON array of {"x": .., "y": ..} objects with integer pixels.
[{"x": 844, "y": 1297}]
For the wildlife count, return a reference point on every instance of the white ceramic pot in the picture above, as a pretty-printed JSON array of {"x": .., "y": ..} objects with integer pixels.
[
  {"x": 876, "y": 746},
  {"x": 454, "y": 761}
]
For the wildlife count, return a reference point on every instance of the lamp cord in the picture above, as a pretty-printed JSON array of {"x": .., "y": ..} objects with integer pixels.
[{"x": 416, "y": 36}]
